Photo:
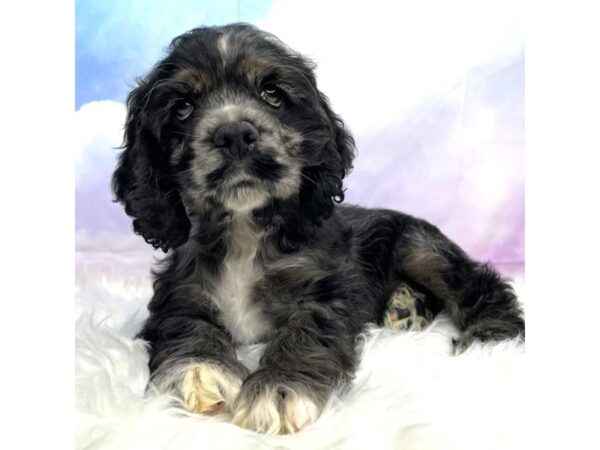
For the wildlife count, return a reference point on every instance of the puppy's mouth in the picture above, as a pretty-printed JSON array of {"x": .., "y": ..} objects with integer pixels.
[
  {"x": 242, "y": 191},
  {"x": 240, "y": 180},
  {"x": 255, "y": 170},
  {"x": 243, "y": 184}
]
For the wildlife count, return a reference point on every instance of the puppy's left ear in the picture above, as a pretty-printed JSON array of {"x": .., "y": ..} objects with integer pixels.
[{"x": 334, "y": 163}]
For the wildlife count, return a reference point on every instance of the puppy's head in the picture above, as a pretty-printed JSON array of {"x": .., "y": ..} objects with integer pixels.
[{"x": 230, "y": 119}]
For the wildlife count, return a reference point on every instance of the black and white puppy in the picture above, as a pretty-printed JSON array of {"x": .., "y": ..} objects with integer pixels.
[{"x": 233, "y": 164}]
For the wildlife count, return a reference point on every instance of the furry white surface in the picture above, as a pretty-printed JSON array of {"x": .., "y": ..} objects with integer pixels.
[{"x": 409, "y": 391}]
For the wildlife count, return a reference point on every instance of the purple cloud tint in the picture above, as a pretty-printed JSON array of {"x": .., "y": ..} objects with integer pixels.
[{"x": 447, "y": 166}]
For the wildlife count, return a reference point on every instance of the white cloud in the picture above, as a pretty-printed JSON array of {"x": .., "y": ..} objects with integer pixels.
[
  {"x": 378, "y": 59},
  {"x": 98, "y": 132}
]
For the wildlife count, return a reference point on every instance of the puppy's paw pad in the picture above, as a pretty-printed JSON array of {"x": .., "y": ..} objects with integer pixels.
[
  {"x": 406, "y": 310},
  {"x": 209, "y": 388},
  {"x": 275, "y": 409}
]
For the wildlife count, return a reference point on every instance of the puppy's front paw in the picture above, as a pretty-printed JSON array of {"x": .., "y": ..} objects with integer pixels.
[
  {"x": 209, "y": 388},
  {"x": 274, "y": 407}
]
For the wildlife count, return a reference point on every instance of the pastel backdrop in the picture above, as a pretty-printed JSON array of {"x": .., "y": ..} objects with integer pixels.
[{"x": 433, "y": 92}]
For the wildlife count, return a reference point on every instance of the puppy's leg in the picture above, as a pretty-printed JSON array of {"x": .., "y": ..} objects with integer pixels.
[
  {"x": 302, "y": 363},
  {"x": 195, "y": 360},
  {"x": 482, "y": 304}
]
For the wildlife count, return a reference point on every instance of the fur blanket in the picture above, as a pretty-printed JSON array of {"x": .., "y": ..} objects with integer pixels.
[{"x": 409, "y": 391}]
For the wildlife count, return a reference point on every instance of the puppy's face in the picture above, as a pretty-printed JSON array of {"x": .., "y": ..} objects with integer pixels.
[
  {"x": 230, "y": 119},
  {"x": 239, "y": 106}
]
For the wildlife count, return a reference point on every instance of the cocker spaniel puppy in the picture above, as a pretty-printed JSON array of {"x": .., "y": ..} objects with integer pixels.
[{"x": 233, "y": 164}]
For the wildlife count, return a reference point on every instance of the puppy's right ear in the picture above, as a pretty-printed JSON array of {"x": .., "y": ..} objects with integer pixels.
[{"x": 142, "y": 181}]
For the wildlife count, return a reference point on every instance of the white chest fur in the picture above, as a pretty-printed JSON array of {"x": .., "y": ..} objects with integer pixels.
[{"x": 241, "y": 314}]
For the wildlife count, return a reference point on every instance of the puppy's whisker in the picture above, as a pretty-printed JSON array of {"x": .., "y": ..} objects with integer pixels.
[
  {"x": 188, "y": 135},
  {"x": 308, "y": 178},
  {"x": 146, "y": 98}
]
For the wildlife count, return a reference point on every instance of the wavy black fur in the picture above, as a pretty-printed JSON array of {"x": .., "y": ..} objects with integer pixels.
[{"x": 319, "y": 272}]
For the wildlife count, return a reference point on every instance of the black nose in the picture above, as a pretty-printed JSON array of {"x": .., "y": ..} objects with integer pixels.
[{"x": 236, "y": 138}]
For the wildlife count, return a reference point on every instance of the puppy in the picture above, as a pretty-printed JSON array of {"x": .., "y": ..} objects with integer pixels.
[{"x": 233, "y": 164}]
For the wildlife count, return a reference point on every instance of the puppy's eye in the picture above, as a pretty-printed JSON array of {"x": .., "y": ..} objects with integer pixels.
[
  {"x": 184, "y": 110},
  {"x": 272, "y": 95}
]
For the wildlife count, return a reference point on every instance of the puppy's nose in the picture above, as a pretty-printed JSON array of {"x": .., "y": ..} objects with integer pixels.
[{"x": 236, "y": 138}]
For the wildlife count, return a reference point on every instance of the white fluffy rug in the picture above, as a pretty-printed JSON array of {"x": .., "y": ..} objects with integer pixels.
[{"x": 409, "y": 392}]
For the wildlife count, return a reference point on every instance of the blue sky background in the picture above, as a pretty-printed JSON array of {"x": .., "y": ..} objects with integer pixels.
[
  {"x": 432, "y": 90},
  {"x": 117, "y": 40}
]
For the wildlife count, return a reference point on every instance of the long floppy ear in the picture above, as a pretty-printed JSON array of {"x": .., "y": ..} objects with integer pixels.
[
  {"x": 335, "y": 162},
  {"x": 142, "y": 181}
]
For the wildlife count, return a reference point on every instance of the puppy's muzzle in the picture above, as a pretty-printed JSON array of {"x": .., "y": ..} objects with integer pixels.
[{"x": 236, "y": 139}]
